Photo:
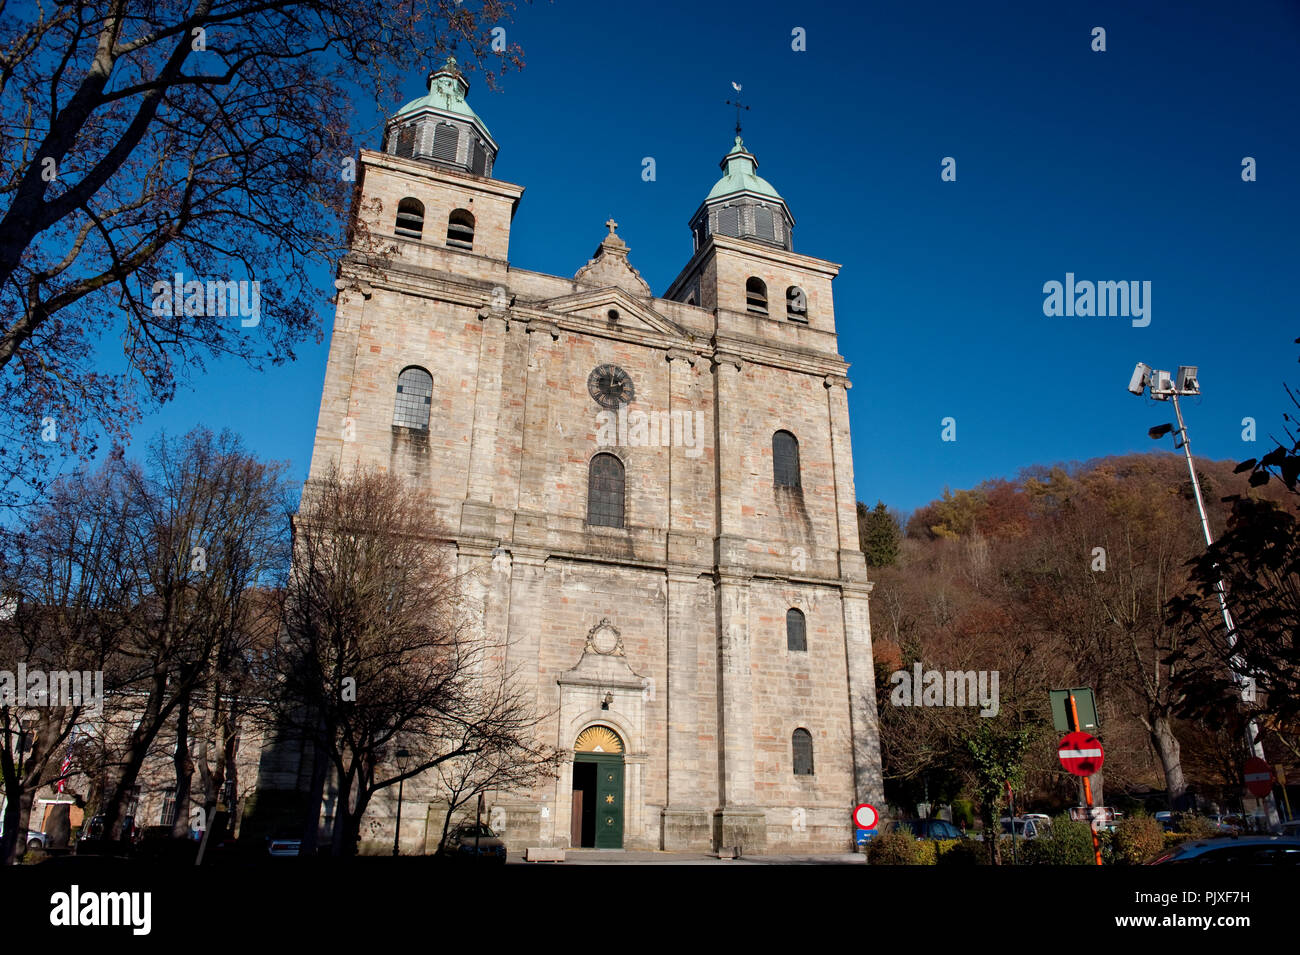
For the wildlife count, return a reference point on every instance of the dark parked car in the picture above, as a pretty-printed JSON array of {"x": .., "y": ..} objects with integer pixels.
[
  {"x": 1242, "y": 850},
  {"x": 464, "y": 841},
  {"x": 930, "y": 828},
  {"x": 284, "y": 842}
]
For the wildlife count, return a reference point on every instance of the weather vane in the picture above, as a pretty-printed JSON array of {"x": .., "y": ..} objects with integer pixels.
[{"x": 736, "y": 86}]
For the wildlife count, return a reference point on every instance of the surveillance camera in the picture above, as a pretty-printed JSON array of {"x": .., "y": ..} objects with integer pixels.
[
  {"x": 1162, "y": 385},
  {"x": 1186, "y": 381},
  {"x": 1140, "y": 378}
]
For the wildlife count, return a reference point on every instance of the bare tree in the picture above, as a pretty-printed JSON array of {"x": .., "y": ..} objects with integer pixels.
[
  {"x": 380, "y": 653},
  {"x": 209, "y": 138},
  {"x": 61, "y": 583},
  {"x": 206, "y": 526}
]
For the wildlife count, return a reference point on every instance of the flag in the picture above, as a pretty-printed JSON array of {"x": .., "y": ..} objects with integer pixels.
[{"x": 66, "y": 764}]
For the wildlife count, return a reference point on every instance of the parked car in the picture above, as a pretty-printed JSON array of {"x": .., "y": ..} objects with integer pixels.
[
  {"x": 1027, "y": 827},
  {"x": 930, "y": 828},
  {"x": 464, "y": 841},
  {"x": 284, "y": 842},
  {"x": 1166, "y": 820},
  {"x": 1238, "y": 850}
]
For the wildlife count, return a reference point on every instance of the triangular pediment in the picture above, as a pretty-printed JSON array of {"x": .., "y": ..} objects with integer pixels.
[{"x": 595, "y": 306}]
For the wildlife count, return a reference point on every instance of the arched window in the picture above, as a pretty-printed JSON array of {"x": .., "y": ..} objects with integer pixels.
[
  {"x": 460, "y": 230},
  {"x": 785, "y": 459},
  {"x": 801, "y": 743},
  {"x": 410, "y": 218},
  {"x": 756, "y": 296},
  {"x": 796, "y": 304},
  {"x": 796, "y": 633},
  {"x": 414, "y": 396},
  {"x": 605, "y": 486}
]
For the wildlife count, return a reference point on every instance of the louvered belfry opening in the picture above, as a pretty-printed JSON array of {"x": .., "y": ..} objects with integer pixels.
[
  {"x": 796, "y": 304},
  {"x": 478, "y": 159},
  {"x": 756, "y": 296},
  {"x": 764, "y": 224},
  {"x": 410, "y": 218},
  {"x": 460, "y": 230},
  {"x": 406, "y": 141},
  {"x": 446, "y": 138}
]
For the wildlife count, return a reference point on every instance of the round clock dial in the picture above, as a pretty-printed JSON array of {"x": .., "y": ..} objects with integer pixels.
[{"x": 610, "y": 386}]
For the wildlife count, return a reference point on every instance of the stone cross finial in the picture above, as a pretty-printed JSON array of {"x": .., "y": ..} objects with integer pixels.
[{"x": 611, "y": 225}]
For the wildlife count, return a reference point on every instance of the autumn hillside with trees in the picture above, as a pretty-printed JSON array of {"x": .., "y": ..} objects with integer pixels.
[{"x": 1063, "y": 577}]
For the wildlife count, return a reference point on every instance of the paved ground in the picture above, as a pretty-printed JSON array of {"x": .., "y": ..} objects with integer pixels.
[{"x": 648, "y": 857}]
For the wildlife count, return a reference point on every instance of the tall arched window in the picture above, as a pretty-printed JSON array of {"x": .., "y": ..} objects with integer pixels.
[
  {"x": 796, "y": 633},
  {"x": 785, "y": 459},
  {"x": 460, "y": 229},
  {"x": 796, "y": 304},
  {"x": 756, "y": 296},
  {"x": 410, "y": 218},
  {"x": 801, "y": 743},
  {"x": 605, "y": 487},
  {"x": 414, "y": 396}
]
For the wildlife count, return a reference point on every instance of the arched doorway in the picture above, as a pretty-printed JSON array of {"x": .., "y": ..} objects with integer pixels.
[{"x": 597, "y": 819}]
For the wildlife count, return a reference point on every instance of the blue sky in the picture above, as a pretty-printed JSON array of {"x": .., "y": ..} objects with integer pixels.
[{"x": 1115, "y": 165}]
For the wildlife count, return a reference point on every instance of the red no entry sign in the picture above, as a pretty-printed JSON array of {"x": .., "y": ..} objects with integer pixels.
[
  {"x": 1080, "y": 753},
  {"x": 1259, "y": 777},
  {"x": 865, "y": 816}
]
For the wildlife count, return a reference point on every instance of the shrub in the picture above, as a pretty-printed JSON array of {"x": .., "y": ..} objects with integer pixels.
[
  {"x": 1138, "y": 839},
  {"x": 1196, "y": 827},
  {"x": 898, "y": 847},
  {"x": 1069, "y": 844},
  {"x": 963, "y": 852}
]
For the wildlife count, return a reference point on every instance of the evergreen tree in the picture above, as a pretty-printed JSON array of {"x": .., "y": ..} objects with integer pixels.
[{"x": 879, "y": 535}]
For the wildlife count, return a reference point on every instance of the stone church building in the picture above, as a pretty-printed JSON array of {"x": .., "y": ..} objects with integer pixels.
[{"x": 654, "y": 493}]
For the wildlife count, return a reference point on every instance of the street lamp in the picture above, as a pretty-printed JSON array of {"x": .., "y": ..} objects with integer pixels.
[
  {"x": 1167, "y": 387},
  {"x": 403, "y": 757}
]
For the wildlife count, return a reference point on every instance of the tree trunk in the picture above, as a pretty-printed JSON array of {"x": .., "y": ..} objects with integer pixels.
[
  {"x": 315, "y": 795},
  {"x": 1168, "y": 750},
  {"x": 992, "y": 831},
  {"x": 18, "y": 814},
  {"x": 184, "y": 769}
]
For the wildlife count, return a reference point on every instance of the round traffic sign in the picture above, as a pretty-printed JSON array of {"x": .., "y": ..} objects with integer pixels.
[
  {"x": 1259, "y": 776},
  {"x": 865, "y": 816},
  {"x": 1080, "y": 753}
]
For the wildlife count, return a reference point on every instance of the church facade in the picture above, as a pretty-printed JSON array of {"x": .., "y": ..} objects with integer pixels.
[{"x": 652, "y": 495}]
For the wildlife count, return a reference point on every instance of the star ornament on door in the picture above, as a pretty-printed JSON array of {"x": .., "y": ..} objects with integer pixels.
[{"x": 610, "y": 799}]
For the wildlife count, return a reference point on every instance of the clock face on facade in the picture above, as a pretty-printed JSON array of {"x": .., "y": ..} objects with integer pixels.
[{"x": 610, "y": 386}]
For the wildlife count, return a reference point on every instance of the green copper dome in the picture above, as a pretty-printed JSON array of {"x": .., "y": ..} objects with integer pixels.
[
  {"x": 447, "y": 89},
  {"x": 739, "y": 166}
]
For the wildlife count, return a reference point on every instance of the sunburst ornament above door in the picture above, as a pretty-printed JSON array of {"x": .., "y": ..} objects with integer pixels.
[{"x": 598, "y": 739}]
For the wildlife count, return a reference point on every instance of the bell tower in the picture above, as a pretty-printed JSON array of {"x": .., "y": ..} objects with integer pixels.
[
  {"x": 432, "y": 184},
  {"x": 744, "y": 264}
]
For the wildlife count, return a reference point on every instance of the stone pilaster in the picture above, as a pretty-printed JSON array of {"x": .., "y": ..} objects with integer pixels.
[{"x": 867, "y": 779}]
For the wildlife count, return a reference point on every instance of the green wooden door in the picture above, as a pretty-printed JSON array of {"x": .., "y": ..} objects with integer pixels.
[{"x": 609, "y": 803}]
